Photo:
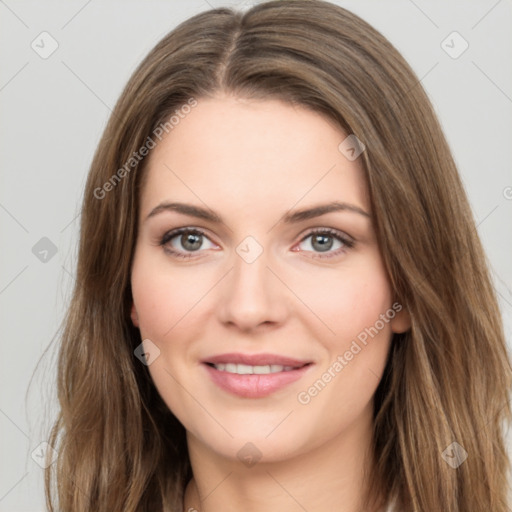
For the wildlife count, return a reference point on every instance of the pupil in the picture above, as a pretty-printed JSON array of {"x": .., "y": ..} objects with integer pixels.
[
  {"x": 191, "y": 241},
  {"x": 324, "y": 242}
]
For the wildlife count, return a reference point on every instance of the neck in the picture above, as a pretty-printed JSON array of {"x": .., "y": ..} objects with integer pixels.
[{"x": 330, "y": 476}]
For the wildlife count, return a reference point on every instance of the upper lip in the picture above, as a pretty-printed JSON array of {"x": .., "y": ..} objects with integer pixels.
[{"x": 255, "y": 360}]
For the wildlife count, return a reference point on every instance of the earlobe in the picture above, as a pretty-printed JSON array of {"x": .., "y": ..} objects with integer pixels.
[
  {"x": 134, "y": 316},
  {"x": 401, "y": 322}
]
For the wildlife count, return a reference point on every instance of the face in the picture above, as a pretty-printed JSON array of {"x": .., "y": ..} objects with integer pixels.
[{"x": 267, "y": 317}]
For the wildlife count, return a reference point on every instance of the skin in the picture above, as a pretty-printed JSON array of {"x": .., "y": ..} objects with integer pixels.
[{"x": 268, "y": 158}]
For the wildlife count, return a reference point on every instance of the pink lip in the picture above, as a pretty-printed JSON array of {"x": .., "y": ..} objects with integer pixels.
[{"x": 255, "y": 385}]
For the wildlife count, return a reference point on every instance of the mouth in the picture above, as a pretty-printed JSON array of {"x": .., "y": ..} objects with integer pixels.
[{"x": 254, "y": 376}]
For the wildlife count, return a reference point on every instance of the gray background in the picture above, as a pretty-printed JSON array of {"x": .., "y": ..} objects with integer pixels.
[{"x": 54, "y": 110}]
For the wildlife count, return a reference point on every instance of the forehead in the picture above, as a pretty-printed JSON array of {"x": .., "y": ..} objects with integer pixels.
[{"x": 232, "y": 153}]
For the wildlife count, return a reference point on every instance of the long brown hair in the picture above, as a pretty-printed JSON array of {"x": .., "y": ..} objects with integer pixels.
[{"x": 447, "y": 379}]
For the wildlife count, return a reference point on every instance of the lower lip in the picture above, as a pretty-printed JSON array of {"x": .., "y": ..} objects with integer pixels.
[{"x": 254, "y": 386}]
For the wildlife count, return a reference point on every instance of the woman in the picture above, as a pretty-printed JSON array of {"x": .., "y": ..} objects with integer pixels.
[{"x": 281, "y": 298}]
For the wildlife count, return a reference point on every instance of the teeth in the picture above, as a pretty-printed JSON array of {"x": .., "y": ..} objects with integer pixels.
[
  {"x": 245, "y": 369},
  {"x": 261, "y": 369}
]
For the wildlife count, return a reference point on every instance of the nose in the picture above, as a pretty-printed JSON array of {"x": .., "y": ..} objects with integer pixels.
[{"x": 252, "y": 295}]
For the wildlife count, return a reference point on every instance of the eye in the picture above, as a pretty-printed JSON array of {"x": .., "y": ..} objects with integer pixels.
[
  {"x": 324, "y": 240},
  {"x": 183, "y": 242}
]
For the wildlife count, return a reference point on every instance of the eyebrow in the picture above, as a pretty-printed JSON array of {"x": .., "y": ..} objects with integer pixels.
[{"x": 288, "y": 218}]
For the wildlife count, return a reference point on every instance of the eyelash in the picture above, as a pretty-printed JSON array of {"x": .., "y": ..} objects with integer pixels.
[{"x": 345, "y": 240}]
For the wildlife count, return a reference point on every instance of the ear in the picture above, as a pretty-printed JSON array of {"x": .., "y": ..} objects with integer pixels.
[
  {"x": 134, "y": 316},
  {"x": 401, "y": 321}
]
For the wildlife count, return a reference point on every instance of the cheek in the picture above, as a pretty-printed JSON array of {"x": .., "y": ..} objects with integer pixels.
[
  {"x": 349, "y": 302},
  {"x": 358, "y": 308},
  {"x": 164, "y": 298}
]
